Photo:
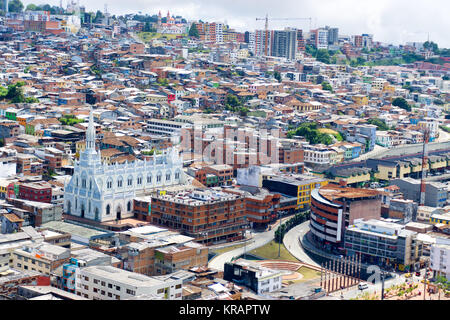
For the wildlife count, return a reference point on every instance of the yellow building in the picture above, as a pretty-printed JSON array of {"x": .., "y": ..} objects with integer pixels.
[
  {"x": 360, "y": 99},
  {"x": 304, "y": 190}
]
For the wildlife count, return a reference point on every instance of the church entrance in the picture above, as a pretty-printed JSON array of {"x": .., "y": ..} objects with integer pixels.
[{"x": 119, "y": 213}]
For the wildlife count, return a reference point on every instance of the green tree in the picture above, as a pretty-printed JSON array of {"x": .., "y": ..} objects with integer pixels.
[
  {"x": 232, "y": 100},
  {"x": 15, "y": 6},
  {"x": 430, "y": 45},
  {"x": 401, "y": 103},
  {"x": 277, "y": 76},
  {"x": 31, "y": 7},
  {"x": 381, "y": 125},
  {"x": 323, "y": 56},
  {"x": 327, "y": 86},
  {"x": 193, "y": 31},
  {"x": 98, "y": 17}
]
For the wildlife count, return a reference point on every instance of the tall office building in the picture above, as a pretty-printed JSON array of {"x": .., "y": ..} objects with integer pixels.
[
  {"x": 257, "y": 43},
  {"x": 319, "y": 38},
  {"x": 284, "y": 44},
  {"x": 333, "y": 35}
]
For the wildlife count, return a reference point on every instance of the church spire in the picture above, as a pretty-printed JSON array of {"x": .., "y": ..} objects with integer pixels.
[{"x": 90, "y": 133}]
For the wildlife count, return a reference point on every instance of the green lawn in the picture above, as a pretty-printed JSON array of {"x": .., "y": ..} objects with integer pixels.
[
  {"x": 270, "y": 252},
  {"x": 308, "y": 273}
]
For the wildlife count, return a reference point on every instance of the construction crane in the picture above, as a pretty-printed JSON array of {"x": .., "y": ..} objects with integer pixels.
[
  {"x": 267, "y": 27},
  {"x": 426, "y": 138}
]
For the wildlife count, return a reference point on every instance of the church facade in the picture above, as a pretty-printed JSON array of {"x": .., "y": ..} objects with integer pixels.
[{"x": 101, "y": 192}]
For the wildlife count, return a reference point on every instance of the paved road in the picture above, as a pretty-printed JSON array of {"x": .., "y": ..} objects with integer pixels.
[
  {"x": 353, "y": 292},
  {"x": 292, "y": 243},
  {"x": 259, "y": 239},
  {"x": 376, "y": 151}
]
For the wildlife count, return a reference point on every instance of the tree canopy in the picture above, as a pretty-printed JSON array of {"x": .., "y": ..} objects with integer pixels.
[
  {"x": 193, "y": 31},
  {"x": 14, "y": 94},
  {"x": 401, "y": 103},
  {"x": 311, "y": 133},
  {"x": 15, "y": 6},
  {"x": 327, "y": 86}
]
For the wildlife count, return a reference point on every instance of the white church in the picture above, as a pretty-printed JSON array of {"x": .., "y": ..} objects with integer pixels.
[{"x": 101, "y": 192}]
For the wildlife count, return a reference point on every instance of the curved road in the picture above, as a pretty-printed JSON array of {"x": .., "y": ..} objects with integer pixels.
[
  {"x": 259, "y": 239},
  {"x": 290, "y": 241}
]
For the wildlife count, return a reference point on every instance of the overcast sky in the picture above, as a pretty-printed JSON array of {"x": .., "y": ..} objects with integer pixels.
[{"x": 392, "y": 21}]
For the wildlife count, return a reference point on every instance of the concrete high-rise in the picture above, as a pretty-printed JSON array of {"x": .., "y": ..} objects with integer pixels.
[{"x": 284, "y": 44}]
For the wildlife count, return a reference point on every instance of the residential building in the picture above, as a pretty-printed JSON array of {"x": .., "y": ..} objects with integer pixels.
[
  {"x": 335, "y": 208},
  {"x": 110, "y": 283},
  {"x": 260, "y": 279},
  {"x": 383, "y": 243}
]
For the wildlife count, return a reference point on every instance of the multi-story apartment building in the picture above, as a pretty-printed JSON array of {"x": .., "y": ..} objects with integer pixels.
[
  {"x": 383, "y": 243},
  {"x": 317, "y": 154},
  {"x": 334, "y": 208},
  {"x": 284, "y": 44},
  {"x": 436, "y": 193},
  {"x": 320, "y": 38},
  {"x": 165, "y": 127},
  {"x": 209, "y": 216},
  {"x": 299, "y": 186},
  {"x": 110, "y": 283},
  {"x": 440, "y": 258},
  {"x": 44, "y": 258},
  {"x": 36, "y": 191}
]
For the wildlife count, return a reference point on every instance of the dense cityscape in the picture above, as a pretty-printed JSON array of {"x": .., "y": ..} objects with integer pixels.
[{"x": 149, "y": 156}]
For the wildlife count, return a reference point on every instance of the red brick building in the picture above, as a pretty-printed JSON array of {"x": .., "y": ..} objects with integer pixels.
[
  {"x": 36, "y": 191},
  {"x": 208, "y": 216}
]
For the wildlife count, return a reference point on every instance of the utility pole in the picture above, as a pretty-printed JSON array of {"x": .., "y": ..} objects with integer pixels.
[
  {"x": 426, "y": 137},
  {"x": 425, "y": 282},
  {"x": 382, "y": 284},
  {"x": 279, "y": 240}
]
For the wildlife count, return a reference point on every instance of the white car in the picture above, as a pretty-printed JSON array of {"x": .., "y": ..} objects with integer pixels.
[{"x": 362, "y": 286}]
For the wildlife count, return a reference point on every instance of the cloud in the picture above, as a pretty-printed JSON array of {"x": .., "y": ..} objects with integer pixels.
[{"x": 391, "y": 21}]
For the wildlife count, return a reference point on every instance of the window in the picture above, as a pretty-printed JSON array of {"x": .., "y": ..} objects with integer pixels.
[
  {"x": 160, "y": 291},
  {"x": 149, "y": 179},
  {"x": 110, "y": 285},
  {"x": 167, "y": 176},
  {"x": 129, "y": 206},
  {"x": 117, "y": 288},
  {"x": 132, "y": 292},
  {"x": 108, "y": 209},
  {"x": 109, "y": 184},
  {"x": 139, "y": 181},
  {"x": 177, "y": 175},
  {"x": 103, "y": 283},
  {"x": 158, "y": 178},
  {"x": 130, "y": 181},
  {"x": 119, "y": 183}
]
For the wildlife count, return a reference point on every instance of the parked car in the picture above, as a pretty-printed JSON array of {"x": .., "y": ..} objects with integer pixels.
[
  {"x": 362, "y": 286},
  {"x": 418, "y": 273},
  {"x": 408, "y": 275}
]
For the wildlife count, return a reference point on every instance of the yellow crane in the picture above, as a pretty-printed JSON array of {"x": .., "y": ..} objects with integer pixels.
[{"x": 267, "y": 27}]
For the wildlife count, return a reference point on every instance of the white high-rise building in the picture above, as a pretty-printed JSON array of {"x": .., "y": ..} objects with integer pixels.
[
  {"x": 440, "y": 258},
  {"x": 104, "y": 192}
]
